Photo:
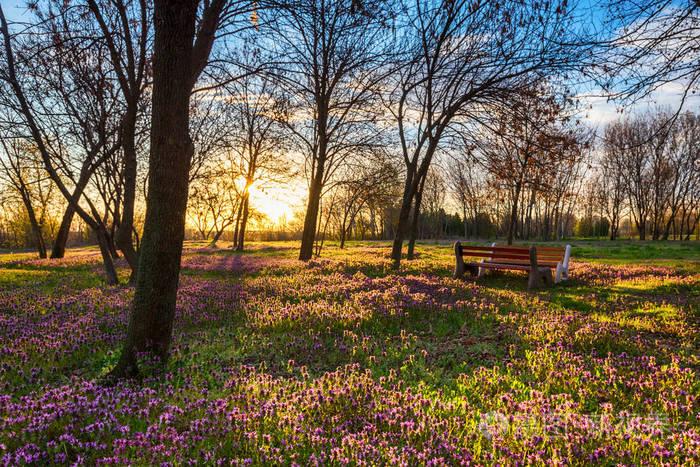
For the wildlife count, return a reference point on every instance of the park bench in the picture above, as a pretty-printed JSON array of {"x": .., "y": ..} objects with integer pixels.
[{"x": 538, "y": 261}]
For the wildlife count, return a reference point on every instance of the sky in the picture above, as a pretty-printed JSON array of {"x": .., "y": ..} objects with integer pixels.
[
  {"x": 14, "y": 9},
  {"x": 282, "y": 202}
]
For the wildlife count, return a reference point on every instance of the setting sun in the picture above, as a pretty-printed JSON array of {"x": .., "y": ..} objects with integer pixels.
[{"x": 277, "y": 203}]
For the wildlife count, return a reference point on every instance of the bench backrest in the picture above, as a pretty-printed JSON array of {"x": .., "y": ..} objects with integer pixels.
[{"x": 515, "y": 254}]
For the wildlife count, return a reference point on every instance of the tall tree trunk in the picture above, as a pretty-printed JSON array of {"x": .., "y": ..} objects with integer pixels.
[
  {"x": 311, "y": 220},
  {"x": 513, "y": 220},
  {"x": 308, "y": 236},
  {"x": 244, "y": 220},
  {"x": 402, "y": 225},
  {"x": 112, "y": 245},
  {"x": 123, "y": 238},
  {"x": 239, "y": 215},
  {"x": 641, "y": 230},
  {"x": 59, "y": 244},
  {"x": 34, "y": 223},
  {"x": 414, "y": 221},
  {"x": 151, "y": 321},
  {"x": 528, "y": 216},
  {"x": 104, "y": 241},
  {"x": 343, "y": 233},
  {"x": 465, "y": 225},
  {"x": 683, "y": 221}
]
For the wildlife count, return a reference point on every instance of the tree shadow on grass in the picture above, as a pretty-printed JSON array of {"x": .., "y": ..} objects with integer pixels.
[
  {"x": 427, "y": 347},
  {"x": 432, "y": 344}
]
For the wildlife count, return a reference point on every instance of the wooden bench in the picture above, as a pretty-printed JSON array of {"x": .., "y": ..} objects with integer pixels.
[{"x": 538, "y": 261}]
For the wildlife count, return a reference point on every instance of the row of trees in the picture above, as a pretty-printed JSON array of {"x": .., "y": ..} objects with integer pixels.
[
  {"x": 641, "y": 172},
  {"x": 650, "y": 170},
  {"x": 352, "y": 87}
]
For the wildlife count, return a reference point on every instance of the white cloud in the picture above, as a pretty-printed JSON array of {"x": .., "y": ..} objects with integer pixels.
[{"x": 598, "y": 110}]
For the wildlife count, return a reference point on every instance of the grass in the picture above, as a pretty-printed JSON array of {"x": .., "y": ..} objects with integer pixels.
[{"x": 344, "y": 360}]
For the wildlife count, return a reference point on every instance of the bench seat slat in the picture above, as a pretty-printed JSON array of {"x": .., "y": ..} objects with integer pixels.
[
  {"x": 514, "y": 249},
  {"x": 479, "y": 254},
  {"x": 548, "y": 264},
  {"x": 539, "y": 260},
  {"x": 490, "y": 254},
  {"x": 518, "y": 267},
  {"x": 553, "y": 257},
  {"x": 494, "y": 248}
]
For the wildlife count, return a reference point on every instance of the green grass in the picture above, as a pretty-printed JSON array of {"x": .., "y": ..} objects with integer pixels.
[{"x": 468, "y": 347}]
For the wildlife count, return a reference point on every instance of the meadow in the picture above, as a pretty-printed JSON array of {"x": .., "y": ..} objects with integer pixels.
[{"x": 343, "y": 360}]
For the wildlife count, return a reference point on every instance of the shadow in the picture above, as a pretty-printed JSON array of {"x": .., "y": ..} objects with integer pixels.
[{"x": 419, "y": 323}]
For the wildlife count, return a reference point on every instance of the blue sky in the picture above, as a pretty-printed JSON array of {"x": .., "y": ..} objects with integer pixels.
[
  {"x": 601, "y": 111},
  {"x": 13, "y": 9}
]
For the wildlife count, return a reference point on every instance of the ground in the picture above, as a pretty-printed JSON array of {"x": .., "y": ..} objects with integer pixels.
[{"x": 343, "y": 360}]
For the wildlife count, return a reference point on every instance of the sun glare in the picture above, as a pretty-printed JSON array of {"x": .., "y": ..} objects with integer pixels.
[{"x": 277, "y": 204}]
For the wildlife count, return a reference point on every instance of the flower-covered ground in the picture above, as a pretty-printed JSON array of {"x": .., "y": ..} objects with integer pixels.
[{"x": 345, "y": 361}]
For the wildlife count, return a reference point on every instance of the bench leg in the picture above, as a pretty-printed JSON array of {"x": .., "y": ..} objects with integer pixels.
[
  {"x": 547, "y": 278},
  {"x": 484, "y": 271},
  {"x": 565, "y": 265},
  {"x": 459, "y": 261},
  {"x": 539, "y": 277},
  {"x": 558, "y": 275}
]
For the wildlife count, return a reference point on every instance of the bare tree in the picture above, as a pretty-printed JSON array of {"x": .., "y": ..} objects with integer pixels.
[
  {"x": 330, "y": 52},
  {"x": 180, "y": 56},
  {"x": 22, "y": 171},
  {"x": 683, "y": 152},
  {"x": 520, "y": 148},
  {"x": 255, "y": 140},
  {"x": 68, "y": 113},
  {"x": 653, "y": 156},
  {"x": 632, "y": 140},
  {"x": 212, "y": 206},
  {"x": 455, "y": 68},
  {"x": 560, "y": 179},
  {"x": 613, "y": 179},
  {"x": 362, "y": 187},
  {"x": 124, "y": 27},
  {"x": 651, "y": 44}
]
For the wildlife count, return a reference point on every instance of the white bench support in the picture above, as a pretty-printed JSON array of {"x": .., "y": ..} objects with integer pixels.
[
  {"x": 562, "y": 272},
  {"x": 483, "y": 271},
  {"x": 558, "y": 273},
  {"x": 565, "y": 265}
]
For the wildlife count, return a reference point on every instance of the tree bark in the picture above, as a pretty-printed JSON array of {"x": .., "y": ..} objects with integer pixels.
[
  {"x": 59, "y": 245},
  {"x": 152, "y": 316},
  {"x": 342, "y": 238},
  {"x": 124, "y": 238},
  {"x": 103, "y": 241},
  {"x": 244, "y": 220},
  {"x": 36, "y": 227},
  {"x": 641, "y": 230},
  {"x": 414, "y": 221},
  {"x": 402, "y": 224},
  {"x": 513, "y": 218},
  {"x": 311, "y": 219}
]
